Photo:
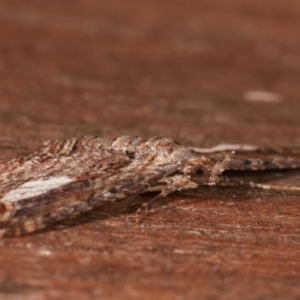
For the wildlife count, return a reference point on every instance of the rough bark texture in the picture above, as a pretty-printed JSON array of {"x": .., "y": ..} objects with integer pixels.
[{"x": 184, "y": 69}]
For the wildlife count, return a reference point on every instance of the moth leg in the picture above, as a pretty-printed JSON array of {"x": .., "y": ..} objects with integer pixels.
[
  {"x": 182, "y": 181},
  {"x": 219, "y": 167},
  {"x": 175, "y": 183}
]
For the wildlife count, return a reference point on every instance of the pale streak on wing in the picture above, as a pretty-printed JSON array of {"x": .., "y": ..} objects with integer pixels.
[
  {"x": 224, "y": 147},
  {"x": 34, "y": 188}
]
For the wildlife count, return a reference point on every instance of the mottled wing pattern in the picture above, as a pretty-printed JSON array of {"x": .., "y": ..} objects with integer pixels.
[{"x": 65, "y": 178}]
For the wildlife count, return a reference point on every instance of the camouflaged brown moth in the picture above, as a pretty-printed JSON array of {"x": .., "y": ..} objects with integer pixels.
[{"x": 66, "y": 178}]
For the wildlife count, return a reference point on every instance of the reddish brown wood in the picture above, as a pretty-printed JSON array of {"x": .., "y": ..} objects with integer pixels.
[{"x": 170, "y": 68}]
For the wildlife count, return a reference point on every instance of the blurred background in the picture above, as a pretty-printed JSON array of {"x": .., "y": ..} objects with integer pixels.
[{"x": 202, "y": 72}]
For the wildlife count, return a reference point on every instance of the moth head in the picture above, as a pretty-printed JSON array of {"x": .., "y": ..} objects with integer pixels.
[{"x": 199, "y": 171}]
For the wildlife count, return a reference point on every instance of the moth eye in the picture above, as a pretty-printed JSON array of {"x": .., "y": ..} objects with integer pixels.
[
  {"x": 199, "y": 174},
  {"x": 131, "y": 155}
]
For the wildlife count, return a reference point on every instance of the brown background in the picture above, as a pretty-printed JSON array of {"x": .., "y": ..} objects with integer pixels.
[{"x": 171, "y": 68}]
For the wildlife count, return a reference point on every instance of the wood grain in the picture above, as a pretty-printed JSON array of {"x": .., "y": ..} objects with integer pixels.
[{"x": 182, "y": 69}]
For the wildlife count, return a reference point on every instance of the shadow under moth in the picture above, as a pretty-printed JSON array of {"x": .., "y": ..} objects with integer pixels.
[{"x": 65, "y": 178}]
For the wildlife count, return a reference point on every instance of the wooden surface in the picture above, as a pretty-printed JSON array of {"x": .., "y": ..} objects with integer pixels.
[{"x": 184, "y": 69}]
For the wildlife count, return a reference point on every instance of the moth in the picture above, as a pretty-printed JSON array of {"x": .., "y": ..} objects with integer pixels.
[{"x": 66, "y": 178}]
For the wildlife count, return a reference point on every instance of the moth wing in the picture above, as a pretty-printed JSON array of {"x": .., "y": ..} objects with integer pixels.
[
  {"x": 41, "y": 190},
  {"x": 260, "y": 161},
  {"x": 251, "y": 158}
]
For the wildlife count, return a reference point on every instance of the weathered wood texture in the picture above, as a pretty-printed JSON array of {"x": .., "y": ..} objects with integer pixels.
[{"x": 172, "y": 68}]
